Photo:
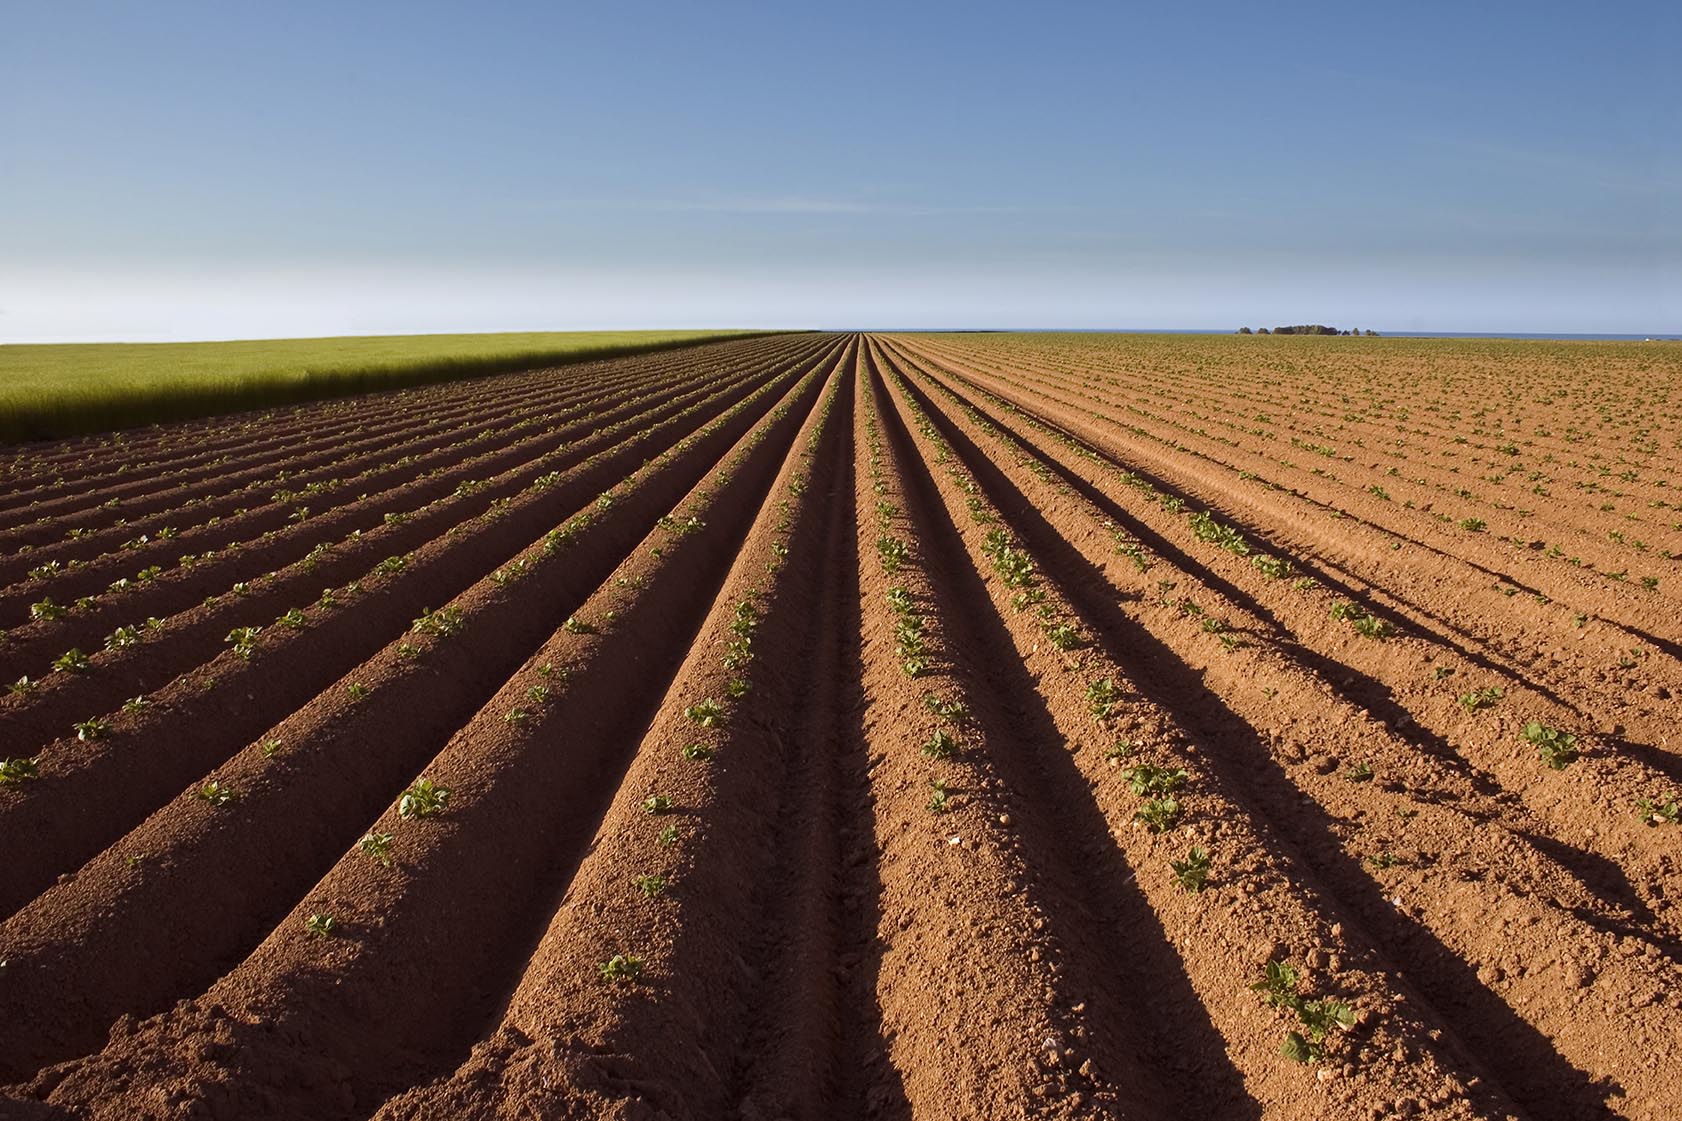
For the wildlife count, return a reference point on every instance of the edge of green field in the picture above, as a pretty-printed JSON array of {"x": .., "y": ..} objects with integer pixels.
[{"x": 49, "y": 391}]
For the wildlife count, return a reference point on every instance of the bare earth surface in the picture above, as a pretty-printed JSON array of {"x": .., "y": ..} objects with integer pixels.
[{"x": 923, "y": 726}]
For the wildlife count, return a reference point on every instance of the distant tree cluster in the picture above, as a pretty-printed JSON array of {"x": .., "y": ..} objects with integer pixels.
[{"x": 1307, "y": 329}]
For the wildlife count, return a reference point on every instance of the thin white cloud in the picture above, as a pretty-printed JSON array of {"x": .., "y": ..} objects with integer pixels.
[
  {"x": 791, "y": 205},
  {"x": 1582, "y": 166}
]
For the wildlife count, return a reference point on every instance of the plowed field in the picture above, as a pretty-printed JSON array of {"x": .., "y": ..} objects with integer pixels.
[{"x": 924, "y": 726}]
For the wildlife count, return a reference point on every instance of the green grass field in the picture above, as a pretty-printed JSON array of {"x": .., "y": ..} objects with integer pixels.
[{"x": 49, "y": 391}]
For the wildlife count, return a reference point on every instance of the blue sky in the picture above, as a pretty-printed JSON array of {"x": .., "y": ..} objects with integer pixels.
[{"x": 195, "y": 170}]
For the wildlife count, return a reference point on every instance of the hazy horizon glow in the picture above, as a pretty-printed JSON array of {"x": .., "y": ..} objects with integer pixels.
[{"x": 179, "y": 171}]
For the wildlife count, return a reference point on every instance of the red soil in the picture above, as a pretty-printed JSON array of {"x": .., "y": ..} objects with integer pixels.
[{"x": 795, "y": 698}]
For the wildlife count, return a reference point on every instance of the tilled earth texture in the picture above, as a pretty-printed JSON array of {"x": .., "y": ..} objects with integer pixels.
[{"x": 923, "y": 726}]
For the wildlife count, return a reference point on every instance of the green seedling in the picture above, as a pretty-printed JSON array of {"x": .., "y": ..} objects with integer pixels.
[
  {"x": 357, "y": 691},
  {"x": 1385, "y": 859},
  {"x": 22, "y": 686},
  {"x": 737, "y": 688},
  {"x": 1064, "y": 636},
  {"x": 1101, "y": 698},
  {"x": 89, "y": 730},
  {"x": 1443, "y": 671},
  {"x": 1359, "y": 772},
  {"x": 1192, "y": 872},
  {"x": 952, "y": 711},
  {"x": 938, "y": 796},
  {"x": 18, "y": 770},
  {"x": 537, "y": 694},
  {"x": 708, "y": 713},
  {"x": 423, "y": 799},
  {"x": 621, "y": 967},
  {"x": 320, "y": 925},
  {"x": 134, "y": 704},
  {"x": 121, "y": 637},
  {"x": 443, "y": 623},
  {"x": 1159, "y": 814},
  {"x": 1318, "y": 1018},
  {"x": 46, "y": 609},
  {"x": 1015, "y": 567},
  {"x": 667, "y": 837},
  {"x": 294, "y": 618},
  {"x": 1481, "y": 698},
  {"x": 650, "y": 885},
  {"x": 1116, "y": 752},
  {"x": 698, "y": 753},
  {"x": 1558, "y": 749},
  {"x": 942, "y": 745},
  {"x": 271, "y": 748},
  {"x": 377, "y": 846},
  {"x": 1136, "y": 553},
  {"x": 71, "y": 661},
  {"x": 894, "y": 552},
  {"x": 1278, "y": 985},
  {"x": 656, "y": 804},
  {"x": 1663, "y": 810},
  {"x": 1149, "y": 779},
  {"x": 216, "y": 793},
  {"x": 1371, "y": 626},
  {"x": 244, "y": 640},
  {"x": 517, "y": 716},
  {"x": 575, "y": 625}
]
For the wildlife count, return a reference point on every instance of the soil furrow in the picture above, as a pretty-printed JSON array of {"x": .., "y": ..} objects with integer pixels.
[
  {"x": 1272, "y": 910},
  {"x": 156, "y": 653},
  {"x": 89, "y": 794},
  {"x": 1435, "y": 955},
  {"x": 1624, "y": 846},
  {"x": 529, "y": 790},
  {"x": 419, "y": 692},
  {"x": 408, "y": 447},
  {"x": 411, "y": 496},
  {"x": 664, "y": 1033}
]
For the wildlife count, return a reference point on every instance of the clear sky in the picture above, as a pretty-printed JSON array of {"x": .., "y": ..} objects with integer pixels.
[{"x": 222, "y": 169}]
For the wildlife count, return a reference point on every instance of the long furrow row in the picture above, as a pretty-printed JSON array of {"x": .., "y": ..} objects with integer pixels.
[
  {"x": 69, "y": 474},
  {"x": 265, "y": 495},
  {"x": 271, "y": 514},
  {"x": 1612, "y": 679},
  {"x": 500, "y": 763},
  {"x": 412, "y": 511},
  {"x": 1377, "y": 677},
  {"x": 827, "y": 726},
  {"x": 1581, "y": 474},
  {"x": 209, "y": 696},
  {"x": 1514, "y": 561},
  {"x": 1466, "y": 855}
]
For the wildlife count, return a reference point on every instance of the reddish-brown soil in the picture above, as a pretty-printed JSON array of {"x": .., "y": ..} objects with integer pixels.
[{"x": 799, "y": 701}]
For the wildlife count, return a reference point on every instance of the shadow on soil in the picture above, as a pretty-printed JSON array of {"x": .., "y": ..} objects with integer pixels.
[
  {"x": 1454, "y": 640},
  {"x": 1093, "y": 899},
  {"x": 1524, "y": 1060}
]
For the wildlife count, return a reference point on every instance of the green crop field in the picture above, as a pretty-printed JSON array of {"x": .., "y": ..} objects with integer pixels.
[{"x": 48, "y": 391}]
